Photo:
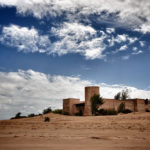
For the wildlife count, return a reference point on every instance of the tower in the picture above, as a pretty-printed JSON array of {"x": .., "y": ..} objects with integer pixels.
[{"x": 89, "y": 92}]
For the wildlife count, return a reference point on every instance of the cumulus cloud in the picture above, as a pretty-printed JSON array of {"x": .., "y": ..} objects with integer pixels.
[
  {"x": 128, "y": 12},
  {"x": 123, "y": 48},
  {"x": 144, "y": 28},
  {"x": 109, "y": 91},
  {"x": 110, "y": 30},
  {"x": 79, "y": 38},
  {"x": 69, "y": 38},
  {"x": 24, "y": 39},
  {"x": 30, "y": 91},
  {"x": 137, "y": 52},
  {"x": 142, "y": 43},
  {"x": 121, "y": 38}
]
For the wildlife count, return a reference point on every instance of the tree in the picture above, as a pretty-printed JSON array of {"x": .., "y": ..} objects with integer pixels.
[
  {"x": 18, "y": 115},
  {"x": 117, "y": 96},
  {"x": 47, "y": 110},
  {"x": 122, "y": 95},
  {"x": 96, "y": 101},
  {"x": 125, "y": 94}
]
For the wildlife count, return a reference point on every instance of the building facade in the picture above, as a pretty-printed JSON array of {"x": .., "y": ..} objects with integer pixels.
[{"x": 74, "y": 106}]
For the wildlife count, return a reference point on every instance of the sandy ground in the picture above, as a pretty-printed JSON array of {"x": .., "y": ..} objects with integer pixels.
[{"x": 121, "y": 132}]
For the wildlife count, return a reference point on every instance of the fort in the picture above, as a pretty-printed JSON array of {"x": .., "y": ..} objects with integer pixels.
[{"x": 74, "y": 106}]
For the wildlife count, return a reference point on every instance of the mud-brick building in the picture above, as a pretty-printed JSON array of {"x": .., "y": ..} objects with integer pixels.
[{"x": 73, "y": 106}]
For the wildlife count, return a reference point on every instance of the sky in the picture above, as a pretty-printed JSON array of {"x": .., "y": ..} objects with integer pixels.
[{"x": 52, "y": 49}]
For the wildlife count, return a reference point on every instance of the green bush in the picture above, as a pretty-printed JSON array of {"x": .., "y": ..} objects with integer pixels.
[
  {"x": 107, "y": 112},
  {"x": 57, "y": 111},
  {"x": 96, "y": 101},
  {"x": 46, "y": 119},
  {"x": 31, "y": 115},
  {"x": 47, "y": 110}
]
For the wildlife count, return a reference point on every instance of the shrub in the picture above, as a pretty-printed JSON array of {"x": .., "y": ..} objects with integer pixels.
[
  {"x": 31, "y": 115},
  {"x": 57, "y": 111},
  {"x": 121, "y": 107},
  {"x": 47, "y": 110},
  {"x": 107, "y": 112},
  {"x": 147, "y": 110},
  {"x": 18, "y": 116},
  {"x": 126, "y": 111},
  {"x": 146, "y": 102},
  {"x": 46, "y": 119},
  {"x": 96, "y": 101},
  {"x": 65, "y": 113}
]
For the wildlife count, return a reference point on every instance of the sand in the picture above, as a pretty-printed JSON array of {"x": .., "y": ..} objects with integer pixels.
[{"x": 121, "y": 132}]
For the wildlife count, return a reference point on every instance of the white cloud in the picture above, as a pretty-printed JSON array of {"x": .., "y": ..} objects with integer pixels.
[
  {"x": 132, "y": 13},
  {"x": 70, "y": 38},
  {"x": 142, "y": 43},
  {"x": 78, "y": 38},
  {"x": 123, "y": 48},
  {"x": 110, "y": 30},
  {"x": 109, "y": 91},
  {"x": 24, "y": 89},
  {"x": 121, "y": 38},
  {"x": 137, "y": 52},
  {"x": 25, "y": 39},
  {"x": 144, "y": 28},
  {"x": 30, "y": 91},
  {"x": 135, "y": 49}
]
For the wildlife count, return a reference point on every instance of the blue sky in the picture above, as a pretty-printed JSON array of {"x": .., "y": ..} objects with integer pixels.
[{"x": 77, "y": 43}]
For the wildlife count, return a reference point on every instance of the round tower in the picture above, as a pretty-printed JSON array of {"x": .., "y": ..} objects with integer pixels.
[{"x": 89, "y": 92}]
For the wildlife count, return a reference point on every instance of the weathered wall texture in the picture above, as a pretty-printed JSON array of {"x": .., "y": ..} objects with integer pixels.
[
  {"x": 68, "y": 105},
  {"x": 110, "y": 104},
  {"x": 147, "y": 106},
  {"x": 132, "y": 104},
  {"x": 89, "y": 92},
  {"x": 79, "y": 108},
  {"x": 140, "y": 105}
]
